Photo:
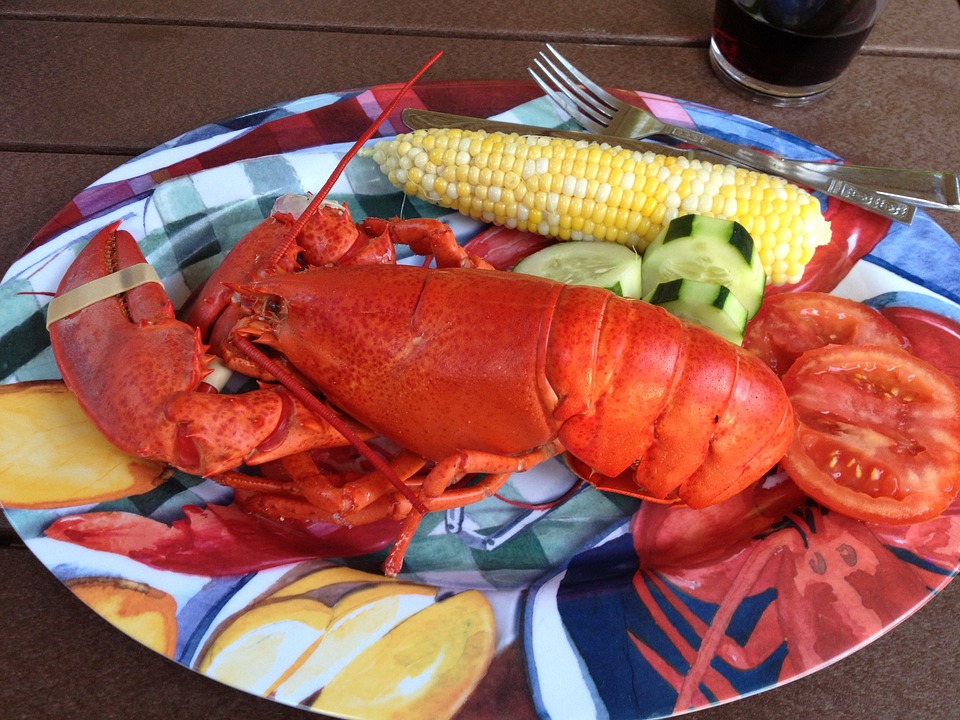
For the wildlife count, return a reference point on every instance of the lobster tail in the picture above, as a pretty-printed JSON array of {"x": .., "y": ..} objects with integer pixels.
[
  {"x": 750, "y": 436},
  {"x": 684, "y": 415},
  {"x": 612, "y": 369}
]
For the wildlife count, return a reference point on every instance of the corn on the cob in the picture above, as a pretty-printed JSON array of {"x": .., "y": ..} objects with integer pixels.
[{"x": 577, "y": 190}]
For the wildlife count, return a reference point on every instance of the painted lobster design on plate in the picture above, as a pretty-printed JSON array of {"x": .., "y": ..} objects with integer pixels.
[{"x": 471, "y": 372}]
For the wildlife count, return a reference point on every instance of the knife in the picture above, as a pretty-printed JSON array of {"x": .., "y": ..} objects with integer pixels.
[{"x": 876, "y": 202}]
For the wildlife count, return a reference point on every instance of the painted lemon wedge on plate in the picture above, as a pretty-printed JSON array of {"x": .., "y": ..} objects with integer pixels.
[
  {"x": 354, "y": 644},
  {"x": 51, "y": 455}
]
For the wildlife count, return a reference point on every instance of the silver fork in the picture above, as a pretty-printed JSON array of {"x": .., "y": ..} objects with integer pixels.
[{"x": 882, "y": 190}]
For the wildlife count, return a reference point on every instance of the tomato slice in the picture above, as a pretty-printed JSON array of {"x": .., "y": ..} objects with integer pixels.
[
  {"x": 878, "y": 433},
  {"x": 788, "y": 325}
]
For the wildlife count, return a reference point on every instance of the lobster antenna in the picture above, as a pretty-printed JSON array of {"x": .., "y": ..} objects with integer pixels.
[{"x": 341, "y": 166}]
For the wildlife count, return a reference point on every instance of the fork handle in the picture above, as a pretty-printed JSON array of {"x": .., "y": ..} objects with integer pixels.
[{"x": 853, "y": 193}]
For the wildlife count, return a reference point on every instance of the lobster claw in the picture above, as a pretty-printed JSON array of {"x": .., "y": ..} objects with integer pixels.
[
  {"x": 123, "y": 354},
  {"x": 210, "y": 308},
  {"x": 136, "y": 371}
]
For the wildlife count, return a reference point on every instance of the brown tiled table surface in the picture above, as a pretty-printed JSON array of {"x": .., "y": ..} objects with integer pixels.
[{"x": 86, "y": 86}]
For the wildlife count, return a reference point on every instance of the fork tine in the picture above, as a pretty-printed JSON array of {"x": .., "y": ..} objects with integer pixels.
[
  {"x": 612, "y": 102},
  {"x": 581, "y": 96},
  {"x": 566, "y": 104},
  {"x": 569, "y": 104}
]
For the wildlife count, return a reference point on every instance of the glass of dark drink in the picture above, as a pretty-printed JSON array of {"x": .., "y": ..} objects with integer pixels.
[{"x": 788, "y": 52}]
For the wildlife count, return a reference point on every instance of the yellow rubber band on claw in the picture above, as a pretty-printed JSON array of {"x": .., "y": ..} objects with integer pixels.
[{"x": 100, "y": 289}]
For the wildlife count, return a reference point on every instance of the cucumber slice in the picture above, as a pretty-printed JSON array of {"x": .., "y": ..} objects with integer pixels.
[
  {"x": 710, "y": 250},
  {"x": 707, "y": 304},
  {"x": 601, "y": 264}
]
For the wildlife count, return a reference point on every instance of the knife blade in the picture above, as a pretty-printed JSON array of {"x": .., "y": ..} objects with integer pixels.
[
  {"x": 889, "y": 207},
  {"x": 417, "y": 119}
]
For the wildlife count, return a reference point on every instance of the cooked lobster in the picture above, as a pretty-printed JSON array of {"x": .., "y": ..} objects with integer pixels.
[{"x": 466, "y": 369}]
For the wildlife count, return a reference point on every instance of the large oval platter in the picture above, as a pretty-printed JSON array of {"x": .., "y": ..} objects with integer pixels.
[{"x": 601, "y": 607}]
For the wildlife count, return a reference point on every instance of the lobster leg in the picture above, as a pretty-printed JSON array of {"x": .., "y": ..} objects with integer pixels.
[
  {"x": 309, "y": 494},
  {"x": 331, "y": 237},
  {"x": 334, "y": 495},
  {"x": 447, "y": 472},
  {"x": 312, "y": 496},
  {"x": 360, "y": 493},
  {"x": 426, "y": 237}
]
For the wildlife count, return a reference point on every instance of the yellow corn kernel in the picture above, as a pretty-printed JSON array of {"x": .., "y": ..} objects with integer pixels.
[{"x": 579, "y": 190}]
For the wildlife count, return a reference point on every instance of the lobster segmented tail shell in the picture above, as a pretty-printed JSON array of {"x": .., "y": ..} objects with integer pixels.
[{"x": 672, "y": 412}]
